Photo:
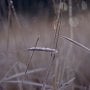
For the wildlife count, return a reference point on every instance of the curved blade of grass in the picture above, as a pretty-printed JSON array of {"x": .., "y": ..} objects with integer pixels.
[
  {"x": 29, "y": 83},
  {"x": 76, "y": 43},
  {"x": 23, "y": 73}
]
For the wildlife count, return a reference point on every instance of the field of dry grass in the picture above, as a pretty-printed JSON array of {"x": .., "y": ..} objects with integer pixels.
[{"x": 21, "y": 69}]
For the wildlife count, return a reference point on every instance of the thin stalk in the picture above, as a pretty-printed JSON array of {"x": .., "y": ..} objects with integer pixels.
[
  {"x": 23, "y": 73},
  {"x": 8, "y": 72},
  {"x": 19, "y": 84},
  {"x": 29, "y": 62},
  {"x": 29, "y": 83},
  {"x": 76, "y": 43}
]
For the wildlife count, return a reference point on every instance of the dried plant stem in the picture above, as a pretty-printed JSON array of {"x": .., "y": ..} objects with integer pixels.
[
  {"x": 19, "y": 84},
  {"x": 23, "y": 73},
  {"x": 28, "y": 83},
  {"x": 76, "y": 43},
  {"x": 57, "y": 33},
  {"x": 29, "y": 62},
  {"x": 8, "y": 72},
  {"x": 13, "y": 14},
  {"x": 67, "y": 83}
]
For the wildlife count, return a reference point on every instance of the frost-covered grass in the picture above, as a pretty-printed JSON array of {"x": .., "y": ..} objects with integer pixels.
[{"x": 38, "y": 54}]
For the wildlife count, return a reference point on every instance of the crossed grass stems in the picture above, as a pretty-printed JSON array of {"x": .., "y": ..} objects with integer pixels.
[{"x": 56, "y": 85}]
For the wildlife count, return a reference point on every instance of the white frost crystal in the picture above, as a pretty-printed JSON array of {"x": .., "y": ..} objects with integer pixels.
[{"x": 43, "y": 49}]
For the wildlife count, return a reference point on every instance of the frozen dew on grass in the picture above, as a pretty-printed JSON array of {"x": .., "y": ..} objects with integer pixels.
[{"x": 42, "y": 49}]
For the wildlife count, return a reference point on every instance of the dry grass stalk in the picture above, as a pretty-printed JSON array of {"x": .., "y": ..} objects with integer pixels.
[
  {"x": 23, "y": 73},
  {"x": 20, "y": 85},
  {"x": 29, "y": 62},
  {"x": 76, "y": 43},
  {"x": 29, "y": 83},
  {"x": 67, "y": 83},
  {"x": 8, "y": 72}
]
